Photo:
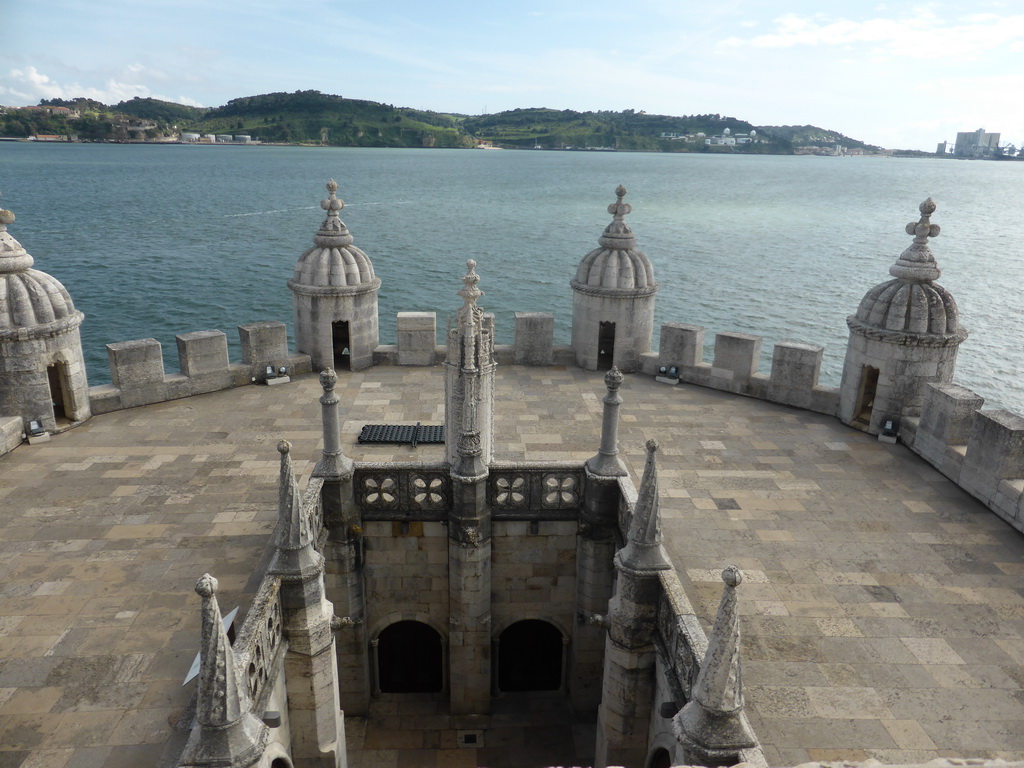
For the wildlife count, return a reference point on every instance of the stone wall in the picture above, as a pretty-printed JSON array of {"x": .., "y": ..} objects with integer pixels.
[
  {"x": 137, "y": 367},
  {"x": 981, "y": 451},
  {"x": 793, "y": 379},
  {"x": 533, "y": 572},
  {"x": 406, "y": 572}
]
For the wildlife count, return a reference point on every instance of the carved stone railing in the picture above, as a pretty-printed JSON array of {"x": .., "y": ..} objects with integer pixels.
[
  {"x": 260, "y": 642},
  {"x": 679, "y": 638},
  {"x": 530, "y": 490},
  {"x": 313, "y": 506},
  {"x": 402, "y": 491}
]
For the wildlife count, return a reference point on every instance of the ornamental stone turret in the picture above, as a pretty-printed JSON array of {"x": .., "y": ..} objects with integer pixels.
[
  {"x": 712, "y": 727},
  {"x": 42, "y": 370},
  {"x": 905, "y": 333},
  {"x": 229, "y": 734},
  {"x": 335, "y": 295},
  {"x": 613, "y": 298}
]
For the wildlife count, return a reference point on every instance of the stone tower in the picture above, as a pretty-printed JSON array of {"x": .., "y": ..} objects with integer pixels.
[
  {"x": 335, "y": 294},
  {"x": 613, "y": 298},
  {"x": 42, "y": 371},
  {"x": 905, "y": 333}
]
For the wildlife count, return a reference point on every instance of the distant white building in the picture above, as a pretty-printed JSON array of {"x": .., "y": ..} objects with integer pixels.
[{"x": 976, "y": 144}]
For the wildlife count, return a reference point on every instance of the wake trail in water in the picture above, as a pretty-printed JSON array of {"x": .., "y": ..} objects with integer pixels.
[{"x": 310, "y": 208}]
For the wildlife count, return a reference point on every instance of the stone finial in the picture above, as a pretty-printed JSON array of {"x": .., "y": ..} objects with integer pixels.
[
  {"x": 13, "y": 257},
  {"x": 713, "y": 721},
  {"x": 613, "y": 379},
  {"x": 917, "y": 263},
  {"x": 333, "y": 232},
  {"x": 644, "y": 550},
  {"x": 328, "y": 378},
  {"x": 296, "y": 557},
  {"x": 618, "y": 235}
]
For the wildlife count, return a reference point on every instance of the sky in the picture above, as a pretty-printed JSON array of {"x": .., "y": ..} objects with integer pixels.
[{"x": 897, "y": 74}]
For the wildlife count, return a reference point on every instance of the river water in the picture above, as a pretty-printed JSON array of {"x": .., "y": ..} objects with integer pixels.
[{"x": 154, "y": 241}]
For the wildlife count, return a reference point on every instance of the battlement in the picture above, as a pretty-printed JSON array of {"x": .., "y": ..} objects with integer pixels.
[
  {"x": 793, "y": 379},
  {"x": 137, "y": 367}
]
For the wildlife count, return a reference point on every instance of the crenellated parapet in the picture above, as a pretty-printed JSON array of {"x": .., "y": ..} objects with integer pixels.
[{"x": 137, "y": 367}]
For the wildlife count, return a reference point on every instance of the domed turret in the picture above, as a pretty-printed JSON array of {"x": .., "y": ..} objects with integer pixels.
[
  {"x": 42, "y": 370},
  {"x": 613, "y": 298},
  {"x": 906, "y": 332},
  {"x": 335, "y": 294}
]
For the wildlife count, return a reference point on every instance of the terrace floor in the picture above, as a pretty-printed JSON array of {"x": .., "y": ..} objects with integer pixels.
[{"x": 883, "y": 609}]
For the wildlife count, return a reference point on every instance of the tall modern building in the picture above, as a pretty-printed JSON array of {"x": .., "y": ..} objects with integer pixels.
[{"x": 976, "y": 144}]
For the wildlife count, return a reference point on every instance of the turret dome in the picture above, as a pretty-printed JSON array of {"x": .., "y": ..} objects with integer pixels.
[
  {"x": 617, "y": 265},
  {"x": 28, "y": 298},
  {"x": 333, "y": 262},
  {"x": 912, "y": 303}
]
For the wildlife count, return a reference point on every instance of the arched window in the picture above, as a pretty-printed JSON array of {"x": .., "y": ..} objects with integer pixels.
[
  {"x": 409, "y": 659},
  {"x": 660, "y": 759},
  {"x": 530, "y": 657}
]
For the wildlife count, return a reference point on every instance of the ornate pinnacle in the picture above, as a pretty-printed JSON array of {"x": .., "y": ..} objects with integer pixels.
[
  {"x": 229, "y": 733},
  {"x": 617, "y": 235},
  {"x": 295, "y": 556},
  {"x": 917, "y": 264},
  {"x": 470, "y": 292},
  {"x": 643, "y": 550},
  {"x": 332, "y": 204},
  {"x": 923, "y": 229},
  {"x": 618, "y": 209},
  {"x": 333, "y": 232}
]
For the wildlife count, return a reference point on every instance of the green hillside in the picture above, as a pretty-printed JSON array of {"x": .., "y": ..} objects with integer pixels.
[{"x": 312, "y": 117}]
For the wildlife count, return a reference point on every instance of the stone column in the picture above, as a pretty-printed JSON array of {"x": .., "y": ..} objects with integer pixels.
[
  {"x": 311, "y": 671},
  {"x": 595, "y": 550},
  {"x": 343, "y": 549},
  {"x": 629, "y": 663},
  {"x": 469, "y": 522}
]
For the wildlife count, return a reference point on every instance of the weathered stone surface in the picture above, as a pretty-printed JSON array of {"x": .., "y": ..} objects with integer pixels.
[
  {"x": 417, "y": 337},
  {"x": 534, "y": 338}
]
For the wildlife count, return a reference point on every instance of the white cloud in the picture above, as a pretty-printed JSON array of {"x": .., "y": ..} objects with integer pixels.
[
  {"x": 28, "y": 85},
  {"x": 922, "y": 36}
]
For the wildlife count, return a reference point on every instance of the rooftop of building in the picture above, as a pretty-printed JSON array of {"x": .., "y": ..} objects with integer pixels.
[{"x": 883, "y": 608}]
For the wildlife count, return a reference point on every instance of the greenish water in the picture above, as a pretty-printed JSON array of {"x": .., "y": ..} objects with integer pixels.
[{"x": 154, "y": 241}]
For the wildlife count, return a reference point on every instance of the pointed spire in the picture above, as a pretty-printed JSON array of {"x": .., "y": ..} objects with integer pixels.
[
  {"x": 333, "y": 232},
  {"x": 296, "y": 556},
  {"x": 713, "y": 720},
  {"x": 917, "y": 263},
  {"x": 719, "y": 686},
  {"x": 617, "y": 235},
  {"x": 229, "y": 732},
  {"x": 223, "y": 698},
  {"x": 644, "y": 550}
]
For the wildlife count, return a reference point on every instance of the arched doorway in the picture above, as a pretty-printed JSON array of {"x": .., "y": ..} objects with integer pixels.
[
  {"x": 605, "y": 345},
  {"x": 341, "y": 344},
  {"x": 660, "y": 759},
  {"x": 530, "y": 657},
  {"x": 409, "y": 659},
  {"x": 866, "y": 395}
]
